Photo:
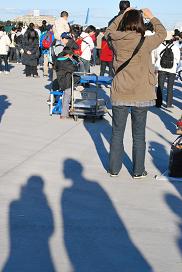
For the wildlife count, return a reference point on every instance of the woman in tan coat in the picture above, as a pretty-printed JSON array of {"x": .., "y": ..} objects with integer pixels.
[{"x": 133, "y": 87}]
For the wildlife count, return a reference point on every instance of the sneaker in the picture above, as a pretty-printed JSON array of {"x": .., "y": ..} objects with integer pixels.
[
  {"x": 6, "y": 73},
  {"x": 113, "y": 174},
  {"x": 48, "y": 101},
  {"x": 0, "y": 72},
  {"x": 143, "y": 175}
]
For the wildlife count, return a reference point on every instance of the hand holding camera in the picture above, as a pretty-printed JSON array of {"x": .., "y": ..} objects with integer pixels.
[{"x": 147, "y": 14}]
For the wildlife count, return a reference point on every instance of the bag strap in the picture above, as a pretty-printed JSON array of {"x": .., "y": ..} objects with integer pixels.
[
  {"x": 170, "y": 45},
  {"x": 123, "y": 65},
  {"x": 178, "y": 140}
]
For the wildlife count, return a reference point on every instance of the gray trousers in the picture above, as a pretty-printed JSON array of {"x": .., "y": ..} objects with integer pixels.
[{"x": 66, "y": 102}]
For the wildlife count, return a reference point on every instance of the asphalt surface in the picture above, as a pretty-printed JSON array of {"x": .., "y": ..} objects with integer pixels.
[{"x": 60, "y": 210}]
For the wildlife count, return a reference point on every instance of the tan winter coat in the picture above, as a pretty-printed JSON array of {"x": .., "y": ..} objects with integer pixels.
[
  {"x": 136, "y": 82},
  {"x": 61, "y": 25},
  {"x": 4, "y": 43}
]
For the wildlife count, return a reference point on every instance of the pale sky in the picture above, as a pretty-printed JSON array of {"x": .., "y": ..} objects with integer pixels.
[{"x": 170, "y": 13}]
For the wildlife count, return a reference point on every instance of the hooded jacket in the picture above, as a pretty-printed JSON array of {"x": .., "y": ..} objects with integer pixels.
[
  {"x": 136, "y": 82},
  {"x": 64, "y": 69},
  {"x": 4, "y": 43},
  {"x": 61, "y": 25},
  {"x": 106, "y": 54},
  {"x": 33, "y": 47},
  {"x": 87, "y": 46}
]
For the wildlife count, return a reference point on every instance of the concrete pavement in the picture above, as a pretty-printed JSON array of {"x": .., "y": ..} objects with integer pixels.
[{"x": 60, "y": 211}]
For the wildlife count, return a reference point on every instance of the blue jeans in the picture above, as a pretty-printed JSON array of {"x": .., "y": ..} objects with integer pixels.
[{"x": 138, "y": 118}]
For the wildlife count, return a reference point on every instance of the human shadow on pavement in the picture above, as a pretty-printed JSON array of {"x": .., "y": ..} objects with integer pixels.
[
  {"x": 160, "y": 157},
  {"x": 30, "y": 227},
  {"x": 177, "y": 95},
  {"x": 103, "y": 93},
  {"x": 175, "y": 204},
  {"x": 4, "y": 105},
  {"x": 99, "y": 130},
  {"x": 161, "y": 161},
  {"x": 96, "y": 238},
  {"x": 168, "y": 120}
]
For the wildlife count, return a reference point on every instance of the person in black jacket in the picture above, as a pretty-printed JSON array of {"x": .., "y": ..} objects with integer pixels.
[
  {"x": 19, "y": 43},
  {"x": 123, "y": 5},
  {"x": 65, "y": 65},
  {"x": 31, "y": 52},
  {"x": 43, "y": 27}
]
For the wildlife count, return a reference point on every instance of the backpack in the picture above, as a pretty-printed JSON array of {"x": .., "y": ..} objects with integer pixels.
[
  {"x": 79, "y": 41},
  {"x": 167, "y": 57},
  {"x": 55, "y": 49},
  {"x": 175, "y": 159},
  {"x": 47, "y": 41}
]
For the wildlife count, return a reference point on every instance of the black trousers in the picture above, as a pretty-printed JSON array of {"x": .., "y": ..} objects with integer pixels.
[
  {"x": 170, "y": 77},
  {"x": 31, "y": 70},
  {"x": 12, "y": 54},
  {"x": 5, "y": 59}
]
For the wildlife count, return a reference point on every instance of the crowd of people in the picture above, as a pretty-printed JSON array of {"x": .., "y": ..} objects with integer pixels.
[{"x": 133, "y": 51}]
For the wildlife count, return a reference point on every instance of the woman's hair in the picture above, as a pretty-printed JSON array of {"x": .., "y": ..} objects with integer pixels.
[
  {"x": 133, "y": 21},
  {"x": 90, "y": 29},
  {"x": 32, "y": 35},
  {"x": 31, "y": 26}
]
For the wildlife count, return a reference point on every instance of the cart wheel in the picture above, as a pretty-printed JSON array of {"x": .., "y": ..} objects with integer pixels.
[{"x": 75, "y": 118}]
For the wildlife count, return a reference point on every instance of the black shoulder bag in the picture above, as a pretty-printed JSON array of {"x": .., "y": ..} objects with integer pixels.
[{"x": 123, "y": 65}]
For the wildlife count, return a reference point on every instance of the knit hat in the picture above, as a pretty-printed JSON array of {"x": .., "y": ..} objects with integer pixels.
[{"x": 65, "y": 35}]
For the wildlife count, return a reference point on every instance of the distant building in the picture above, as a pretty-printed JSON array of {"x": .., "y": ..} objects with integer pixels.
[
  {"x": 35, "y": 18},
  {"x": 36, "y": 12}
]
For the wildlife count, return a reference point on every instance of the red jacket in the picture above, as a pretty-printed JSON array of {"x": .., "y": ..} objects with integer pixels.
[
  {"x": 106, "y": 53},
  {"x": 93, "y": 36}
]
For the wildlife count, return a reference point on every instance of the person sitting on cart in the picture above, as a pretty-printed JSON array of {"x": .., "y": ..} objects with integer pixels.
[{"x": 65, "y": 65}]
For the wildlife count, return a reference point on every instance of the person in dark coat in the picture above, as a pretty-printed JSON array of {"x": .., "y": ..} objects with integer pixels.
[
  {"x": 19, "y": 42},
  {"x": 43, "y": 27},
  {"x": 65, "y": 66},
  {"x": 123, "y": 5},
  {"x": 31, "y": 52}
]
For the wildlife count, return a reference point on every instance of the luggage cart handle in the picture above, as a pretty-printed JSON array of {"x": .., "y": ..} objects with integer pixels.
[{"x": 86, "y": 74}]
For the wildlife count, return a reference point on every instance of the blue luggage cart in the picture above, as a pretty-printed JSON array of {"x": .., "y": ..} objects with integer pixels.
[{"x": 85, "y": 101}]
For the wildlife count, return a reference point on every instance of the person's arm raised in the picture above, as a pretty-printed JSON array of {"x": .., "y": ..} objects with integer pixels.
[{"x": 154, "y": 41}]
